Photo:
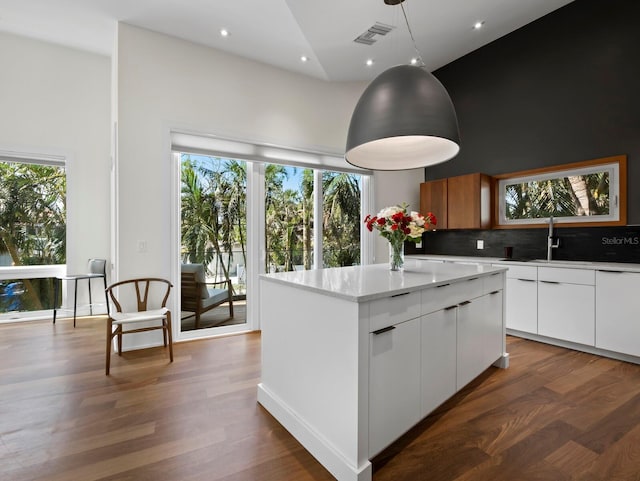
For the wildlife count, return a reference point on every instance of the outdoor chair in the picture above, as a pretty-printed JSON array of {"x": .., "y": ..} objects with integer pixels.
[
  {"x": 197, "y": 297},
  {"x": 138, "y": 301}
]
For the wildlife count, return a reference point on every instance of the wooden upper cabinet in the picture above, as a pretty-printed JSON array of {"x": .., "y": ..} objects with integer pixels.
[
  {"x": 462, "y": 202},
  {"x": 433, "y": 198},
  {"x": 469, "y": 202}
]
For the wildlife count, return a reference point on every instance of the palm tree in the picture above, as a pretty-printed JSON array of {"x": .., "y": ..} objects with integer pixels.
[
  {"x": 195, "y": 216},
  {"x": 307, "y": 217},
  {"x": 560, "y": 197},
  {"x": 236, "y": 203},
  {"x": 341, "y": 218}
]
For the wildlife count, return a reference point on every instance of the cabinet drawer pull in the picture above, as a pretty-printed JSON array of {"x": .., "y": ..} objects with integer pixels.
[
  {"x": 444, "y": 285},
  {"x": 383, "y": 330},
  {"x": 464, "y": 303},
  {"x": 403, "y": 294},
  {"x": 550, "y": 282},
  {"x": 526, "y": 280},
  {"x": 610, "y": 271},
  {"x": 449, "y": 308},
  {"x": 494, "y": 292},
  {"x": 473, "y": 279}
]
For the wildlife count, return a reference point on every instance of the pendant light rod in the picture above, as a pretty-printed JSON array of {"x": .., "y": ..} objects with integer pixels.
[{"x": 415, "y": 46}]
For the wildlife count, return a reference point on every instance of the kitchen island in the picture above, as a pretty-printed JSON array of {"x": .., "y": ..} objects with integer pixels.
[{"x": 353, "y": 357}]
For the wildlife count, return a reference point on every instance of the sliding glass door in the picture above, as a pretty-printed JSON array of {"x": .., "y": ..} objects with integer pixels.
[
  {"x": 300, "y": 218},
  {"x": 213, "y": 232}
]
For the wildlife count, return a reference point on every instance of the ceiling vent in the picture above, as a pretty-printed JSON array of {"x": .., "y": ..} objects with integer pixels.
[{"x": 369, "y": 37}]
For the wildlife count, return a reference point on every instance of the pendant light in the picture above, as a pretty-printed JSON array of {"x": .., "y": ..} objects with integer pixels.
[{"x": 403, "y": 120}]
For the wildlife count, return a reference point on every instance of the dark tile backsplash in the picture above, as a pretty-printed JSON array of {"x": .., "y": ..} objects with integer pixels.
[{"x": 605, "y": 244}]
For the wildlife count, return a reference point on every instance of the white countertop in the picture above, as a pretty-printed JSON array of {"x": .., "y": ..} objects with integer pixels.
[
  {"x": 365, "y": 283},
  {"x": 605, "y": 266}
]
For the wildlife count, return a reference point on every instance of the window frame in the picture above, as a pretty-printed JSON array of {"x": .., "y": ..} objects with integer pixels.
[
  {"x": 35, "y": 271},
  {"x": 616, "y": 165}
]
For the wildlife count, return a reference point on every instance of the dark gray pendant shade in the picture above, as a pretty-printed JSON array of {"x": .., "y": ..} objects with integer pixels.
[{"x": 403, "y": 120}]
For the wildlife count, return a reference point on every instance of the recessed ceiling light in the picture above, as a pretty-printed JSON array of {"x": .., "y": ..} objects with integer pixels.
[
  {"x": 478, "y": 25},
  {"x": 304, "y": 58},
  {"x": 369, "y": 62},
  {"x": 224, "y": 32},
  {"x": 414, "y": 61}
]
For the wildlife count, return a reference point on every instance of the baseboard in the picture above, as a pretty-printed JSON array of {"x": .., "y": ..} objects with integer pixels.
[
  {"x": 575, "y": 346},
  {"x": 313, "y": 442}
]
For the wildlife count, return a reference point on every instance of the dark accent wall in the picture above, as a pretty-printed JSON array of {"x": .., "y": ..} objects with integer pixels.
[{"x": 562, "y": 89}]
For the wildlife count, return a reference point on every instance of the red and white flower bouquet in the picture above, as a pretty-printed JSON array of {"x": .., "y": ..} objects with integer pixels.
[{"x": 397, "y": 225}]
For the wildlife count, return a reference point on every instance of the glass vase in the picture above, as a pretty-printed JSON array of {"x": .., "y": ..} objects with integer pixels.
[{"x": 396, "y": 255}]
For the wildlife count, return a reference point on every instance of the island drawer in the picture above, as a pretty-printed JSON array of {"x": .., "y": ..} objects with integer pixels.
[
  {"x": 492, "y": 283},
  {"x": 447, "y": 295},
  {"x": 393, "y": 310}
]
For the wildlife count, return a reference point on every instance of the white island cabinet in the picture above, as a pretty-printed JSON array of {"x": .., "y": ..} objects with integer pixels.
[{"x": 353, "y": 357}]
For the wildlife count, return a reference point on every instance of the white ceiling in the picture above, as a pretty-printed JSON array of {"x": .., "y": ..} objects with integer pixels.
[{"x": 278, "y": 32}]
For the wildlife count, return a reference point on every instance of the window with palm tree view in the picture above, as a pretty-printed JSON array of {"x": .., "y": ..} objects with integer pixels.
[
  {"x": 583, "y": 194},
  {"x": 32, "y": 231},
  {"x": 290, "y": 221},
  {"x": 213, "y": 218}
]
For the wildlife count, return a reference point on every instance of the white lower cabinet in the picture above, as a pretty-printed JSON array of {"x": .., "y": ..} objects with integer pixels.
[
  {"x": 566, "y": 304},
  {"x": 618, "y": 311},
  {"x": 438, "y": 358},
  {"x": 521, "y": 311},
  {"x": 394, "y": 386}
]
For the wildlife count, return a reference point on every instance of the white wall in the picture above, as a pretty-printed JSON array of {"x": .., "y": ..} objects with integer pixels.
[
  {"x": 393, "y": 188},
  {"x": 56, "y": 100}
]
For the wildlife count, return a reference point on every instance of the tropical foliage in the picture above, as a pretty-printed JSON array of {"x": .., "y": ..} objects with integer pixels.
[
  {"x": 32, "y": 228},
  {"x": 214, "y": 206},
  {"x": 568, "y": 196},
  {"x": 341, "y": 219}
]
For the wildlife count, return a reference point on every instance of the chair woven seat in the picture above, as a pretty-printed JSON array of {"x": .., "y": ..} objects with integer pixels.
[
  {"x": 151, "y": 315},
  {"x": 138, "y": 300}
]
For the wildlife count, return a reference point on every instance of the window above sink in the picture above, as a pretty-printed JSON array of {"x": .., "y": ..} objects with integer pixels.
[{"x": 584, "y": 193}]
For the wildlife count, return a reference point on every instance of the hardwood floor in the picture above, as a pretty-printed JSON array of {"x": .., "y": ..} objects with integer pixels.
[{"x": 554, "y": 415}]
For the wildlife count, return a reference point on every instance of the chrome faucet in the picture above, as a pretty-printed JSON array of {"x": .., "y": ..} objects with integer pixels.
[{"x": 550, "y": 244}]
